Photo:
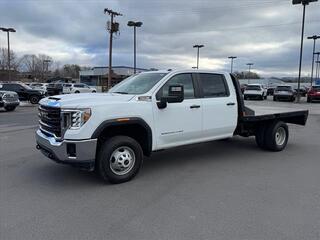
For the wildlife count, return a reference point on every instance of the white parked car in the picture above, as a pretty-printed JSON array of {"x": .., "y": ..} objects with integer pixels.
[
  {"x": 39, "y": 86},
  {"x": 78, "y": 88},
  {"x": 257, "y": 91},
  {"x": 67, "y": 88}
]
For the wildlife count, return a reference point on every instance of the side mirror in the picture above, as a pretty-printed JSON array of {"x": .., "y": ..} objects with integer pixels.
[{"x": 176, "y": 95}]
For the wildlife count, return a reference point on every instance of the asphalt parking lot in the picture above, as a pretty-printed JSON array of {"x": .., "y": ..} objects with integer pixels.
[{"x": 217, "y": 190}]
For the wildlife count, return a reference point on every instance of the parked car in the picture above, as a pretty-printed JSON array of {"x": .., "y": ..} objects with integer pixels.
[
  {"x": 255, "y": 91},
  {"x": 284, "y": 92},
  {"x": 9, "y": 100},
  {"x": 313, "y": 94},
  {"x": 24, "y": 92},
  {"x": 112, "y": 132},
  {"x": 39, "y": 86},
  {"x": 54, "y": 89},
  {"x": 82, "y": 88},
  {"x": 66, "y": 88}
]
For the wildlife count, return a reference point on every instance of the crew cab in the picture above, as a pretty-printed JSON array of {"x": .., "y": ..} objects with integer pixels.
[
  {"x": 9, "y": 100},
  {"x": 24, "y": 92},
  {"x": 112, "y": 132},
  {"x": 256, "y": 91}
]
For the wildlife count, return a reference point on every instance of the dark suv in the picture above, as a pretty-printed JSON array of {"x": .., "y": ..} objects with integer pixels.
[{"x": 24, "y": 92}]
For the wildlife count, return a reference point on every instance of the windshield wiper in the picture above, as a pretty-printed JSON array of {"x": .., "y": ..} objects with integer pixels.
[{"x": 121, "y": 92}]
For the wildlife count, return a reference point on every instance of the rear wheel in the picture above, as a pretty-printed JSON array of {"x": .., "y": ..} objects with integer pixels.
[
  {"x": 245, "y": 97},
  {"x": 34, "y": 99},
  {"x": 275, "y": 99},
  {"x": 120, "y": 159},
  {"x": 276, "y": 136},
  {"x": 94, "y": 91},
  {"x": 77, "y": 91},
  {"x": 10, "y": 108}
]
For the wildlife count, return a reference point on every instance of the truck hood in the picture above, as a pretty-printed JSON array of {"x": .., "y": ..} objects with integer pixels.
[{"x": 83, "y": 100}]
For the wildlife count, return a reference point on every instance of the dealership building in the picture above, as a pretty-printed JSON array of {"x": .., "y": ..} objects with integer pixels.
[{"x": 97, "y": 76}]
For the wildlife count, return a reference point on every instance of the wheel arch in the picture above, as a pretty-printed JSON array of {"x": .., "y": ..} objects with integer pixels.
[{"x": 136, "y": 128}]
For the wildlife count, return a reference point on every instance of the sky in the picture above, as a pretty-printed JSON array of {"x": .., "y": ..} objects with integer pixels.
[{"x": 264, "y": 32}]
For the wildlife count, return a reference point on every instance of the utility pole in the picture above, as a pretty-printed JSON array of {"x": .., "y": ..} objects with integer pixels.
[
  {"x": 198, "y": 53},
  {"x": 134, "y": 25},
  {"x": 317, "y": 61},
  {"x": 317, "y": 69},
  {"x": 314, "y": 37},
  {"x": 232, "y": 58},
  {"x": 113, "y": 27},
  {"x": 8, "y": 30},
  {"x": 250, "y": 65},
  {"x": 304, "y": 4}
]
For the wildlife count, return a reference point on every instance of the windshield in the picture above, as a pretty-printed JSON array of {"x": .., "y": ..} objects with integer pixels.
[
  {"x": 138, "y": 84},
  {"x": 284, "y": 88},
  {"x": 253, "y": 87}
]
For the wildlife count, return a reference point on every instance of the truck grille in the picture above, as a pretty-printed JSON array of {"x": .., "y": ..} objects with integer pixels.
[{"x": 50, "y": 120}]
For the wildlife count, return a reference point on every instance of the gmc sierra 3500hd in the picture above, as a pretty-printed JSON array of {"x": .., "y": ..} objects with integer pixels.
[{"x": 111, "y": 132}]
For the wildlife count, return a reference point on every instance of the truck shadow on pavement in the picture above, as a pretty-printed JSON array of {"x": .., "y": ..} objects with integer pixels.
[{"x": 186, "y": 158}]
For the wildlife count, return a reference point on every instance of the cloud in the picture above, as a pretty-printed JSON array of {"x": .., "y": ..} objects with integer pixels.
[{"x": 266, "y": 32}]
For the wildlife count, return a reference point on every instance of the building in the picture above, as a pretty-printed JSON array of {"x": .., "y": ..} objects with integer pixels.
[{"x": 98, "y": 76}]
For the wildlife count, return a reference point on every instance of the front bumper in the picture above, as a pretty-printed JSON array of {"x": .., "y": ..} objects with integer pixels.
[
  {"x": 253, "y": 95},
  {"x": 4, "y": 103},
  {"x": 78, "y": 153},
  {"x": 284, "y": 96}
]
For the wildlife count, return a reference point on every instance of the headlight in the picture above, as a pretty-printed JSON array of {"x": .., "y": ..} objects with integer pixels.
[{"x": 75, "y": 118}]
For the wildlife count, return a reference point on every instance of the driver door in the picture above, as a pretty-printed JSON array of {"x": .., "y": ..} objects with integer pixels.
[{"x": 178, "y": 123}]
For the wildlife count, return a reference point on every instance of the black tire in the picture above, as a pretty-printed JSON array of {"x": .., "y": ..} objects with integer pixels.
[
  {"x": 245, "y": 97},
  {"x": 10, "y": 108},
  {"x": 94, "y": 91},
  {"x": 272, "y": 140},
  {"x": 260, "y": 136},
  {"x": 77, "y": 91},
  {"x": 34, "y": 99},
  {"x": 104, "y": 159},
  {"x": 265, "y": 97},
  {"x": 261, "y": 98},
  {"x": 309, "y": 100},
  {"x": 275, "y": 99},
  {"x": 293, "y": 99}
]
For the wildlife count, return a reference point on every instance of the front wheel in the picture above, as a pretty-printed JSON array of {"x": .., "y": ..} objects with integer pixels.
[
  {"x": 119, "y": 159},
  {"x": 34, "y": 99},
  {"x": 94, "y": 91}
]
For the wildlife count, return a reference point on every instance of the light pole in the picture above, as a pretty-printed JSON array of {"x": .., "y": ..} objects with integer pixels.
[
  {"x": 304, "y": 3},
  {"x": 198, "y": 52},
  {"x": 249, "y": 65},
  {"x": 314, "y": 37},
  {"x": 134, "y": 25},
  {"x": 232, "y": 58},
  {"x": 47, "y": 61},
  {"x": 8, "y": 30},
  {"x": 317, "y": 68}
]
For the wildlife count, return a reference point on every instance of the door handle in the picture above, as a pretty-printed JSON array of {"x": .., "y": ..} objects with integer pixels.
[
  {"x": 195, "y": 106},
  {"x": 231, "y": 104}
]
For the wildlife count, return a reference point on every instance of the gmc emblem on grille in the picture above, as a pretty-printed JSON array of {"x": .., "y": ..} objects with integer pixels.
[{"x": 44, "y": 114}]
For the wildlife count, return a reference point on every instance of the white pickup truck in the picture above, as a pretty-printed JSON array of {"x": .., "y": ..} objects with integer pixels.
[{"x": 112, "y": 132}]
